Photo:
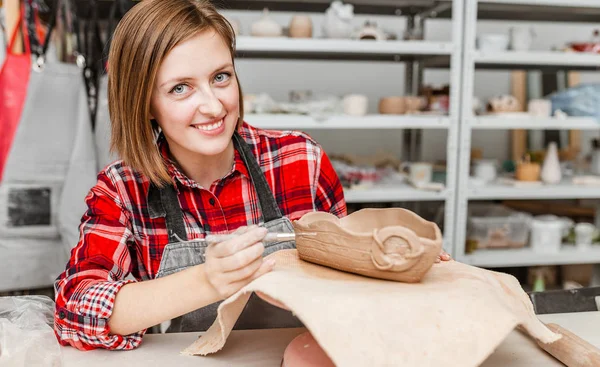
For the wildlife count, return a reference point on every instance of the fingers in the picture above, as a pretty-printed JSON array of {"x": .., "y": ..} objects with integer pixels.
[
  {"x": 443, "y": 256},
  {"x": 243, "y": 258},
  {"x": 236, "y": 244},
  {"x": 264, "y": 267}
]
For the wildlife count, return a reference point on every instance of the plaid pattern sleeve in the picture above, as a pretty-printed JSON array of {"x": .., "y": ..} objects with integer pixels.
[
  {"x": 85, "y": 292},
  {"x": 329, "y": 193}
]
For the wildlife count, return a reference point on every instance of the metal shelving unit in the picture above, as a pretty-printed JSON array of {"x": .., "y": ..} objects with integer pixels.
[
  {"x": 335, "y": 49},
  {"x": 527, "y": 257},
  {"x": 416, "y": 54},
  {"x": 302, "y": 122},
  {"x": 533, "y": 10}
]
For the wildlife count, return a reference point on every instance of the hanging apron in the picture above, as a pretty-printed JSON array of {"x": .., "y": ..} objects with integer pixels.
[
  {"x": 257, "y": 314},
  {"x": 49, "y": 170}
]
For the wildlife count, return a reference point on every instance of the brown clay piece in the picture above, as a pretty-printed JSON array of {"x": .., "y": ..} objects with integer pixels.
[
  {"x": 394, "y": 105},
  {"x": 392, "y": 243}
]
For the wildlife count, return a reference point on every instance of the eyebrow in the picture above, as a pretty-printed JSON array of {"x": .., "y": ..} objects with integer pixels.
[{"x": 183, "y": 79}]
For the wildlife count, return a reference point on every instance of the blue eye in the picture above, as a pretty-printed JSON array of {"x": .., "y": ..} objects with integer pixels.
[
  {"x": 179, "y": 89},
  {"x": 221, "y": 77}
]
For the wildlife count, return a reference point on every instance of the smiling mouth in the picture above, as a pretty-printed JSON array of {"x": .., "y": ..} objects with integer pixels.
[{"x": 209, "y": 127}]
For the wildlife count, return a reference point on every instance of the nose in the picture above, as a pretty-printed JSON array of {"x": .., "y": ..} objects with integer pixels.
[{"x": 209, "y": 105}]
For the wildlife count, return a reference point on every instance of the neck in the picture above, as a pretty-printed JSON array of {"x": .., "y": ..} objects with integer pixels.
[{"x": 205, "y": 169}]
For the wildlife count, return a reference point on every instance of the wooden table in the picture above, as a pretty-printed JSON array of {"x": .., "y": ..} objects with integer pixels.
[{"x": 265, "y": 348}]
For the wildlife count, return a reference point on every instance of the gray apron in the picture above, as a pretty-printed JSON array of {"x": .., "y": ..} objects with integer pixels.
[{"x": 257, "y": 314}]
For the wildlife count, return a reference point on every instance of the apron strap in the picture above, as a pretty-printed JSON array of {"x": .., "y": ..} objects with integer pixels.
[
  {"x": 163, "y": 202},
  {"x": 268, "y": 204}
]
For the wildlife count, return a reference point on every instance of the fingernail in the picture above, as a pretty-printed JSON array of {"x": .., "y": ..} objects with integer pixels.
[
  {"x": 262, "y": 231},
  {"x": 271, "y": 263}
]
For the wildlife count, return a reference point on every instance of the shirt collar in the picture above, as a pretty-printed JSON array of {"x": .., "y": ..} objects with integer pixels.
[{"x": 238, "y": 165}]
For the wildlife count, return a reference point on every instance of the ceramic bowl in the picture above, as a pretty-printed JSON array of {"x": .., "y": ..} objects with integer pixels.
[
  {"x": 392, "y": 243},
  {"x": 395, "y": 105}
]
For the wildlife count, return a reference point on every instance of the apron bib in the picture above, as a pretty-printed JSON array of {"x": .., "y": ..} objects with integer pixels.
[{"x": 257, "y": 314}]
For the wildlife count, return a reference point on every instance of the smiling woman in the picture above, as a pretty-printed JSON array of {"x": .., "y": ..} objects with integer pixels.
[{"x": 190, "y": 166}]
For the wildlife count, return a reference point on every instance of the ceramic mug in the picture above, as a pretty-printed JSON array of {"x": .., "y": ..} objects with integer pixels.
[
  {"x": 355, "y": 104},
  {"x": 419, "y": 173}
]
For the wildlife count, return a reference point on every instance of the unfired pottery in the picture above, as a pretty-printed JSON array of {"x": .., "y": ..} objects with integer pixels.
[
  {"x": 504, "y": 103},
  {"x": 370, "y": 31},
  {"x": 551, "y": 173},
  {"x": 394, "y": 243},
  {"x": 355, "y": 104},
  {"x": 300, "y": 27},
  {"x": 338, "y": 20},
  {"x": 539, "y": 107},
  {"x": 266, "y": 26},
  {"x": 414, "y": 104},
  {"x": 394, "y": 105},
  {"x": 526, "y": 171}
]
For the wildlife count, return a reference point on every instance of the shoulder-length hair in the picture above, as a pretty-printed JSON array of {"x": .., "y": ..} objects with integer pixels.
[{"x": 141, "y": 41}]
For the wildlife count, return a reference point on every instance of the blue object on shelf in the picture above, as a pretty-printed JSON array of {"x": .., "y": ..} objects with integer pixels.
[{"x": 579, "y": 101}]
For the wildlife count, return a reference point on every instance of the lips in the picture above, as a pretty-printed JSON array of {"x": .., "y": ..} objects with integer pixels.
[{"x": 209, "y": 126}]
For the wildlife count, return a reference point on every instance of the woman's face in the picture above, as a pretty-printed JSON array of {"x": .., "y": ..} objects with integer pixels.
[{"x": 195, "y": 99}]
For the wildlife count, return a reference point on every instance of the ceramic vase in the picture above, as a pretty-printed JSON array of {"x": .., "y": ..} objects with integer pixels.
[
  {"x": 266, "y": 26},
  {"x": 551, "y": 173},
  {"x": 301, "y": 27}
]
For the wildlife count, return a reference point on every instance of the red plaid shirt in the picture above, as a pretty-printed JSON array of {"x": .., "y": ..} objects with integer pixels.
[{"x": 118, "y": 238}]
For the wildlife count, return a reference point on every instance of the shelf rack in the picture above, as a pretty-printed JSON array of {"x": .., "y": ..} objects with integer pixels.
[
  {"x": 533, "y": 10},
  {"x": 416, "y": 54}
]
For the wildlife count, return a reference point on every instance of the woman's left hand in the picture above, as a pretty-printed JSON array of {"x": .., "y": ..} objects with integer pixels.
[{"x": 443, "y": 256}]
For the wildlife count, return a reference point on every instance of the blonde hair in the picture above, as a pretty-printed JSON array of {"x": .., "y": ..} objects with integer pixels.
[{"x": 142, "y": 39}]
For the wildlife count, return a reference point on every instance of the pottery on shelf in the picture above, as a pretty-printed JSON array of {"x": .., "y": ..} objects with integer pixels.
[
  {"x": 539, "y": 107},
  {"x": 551, "y": 173},
  {"x": 355, "y": 104},
  {"x": 393, "y": 105},
  {"x": 521, "y": 38},
  {"x": 504, "y": 103},
  {"x": 300, "y": 27},
  {"x": 393, "y": 243},
  {"x": 266, "y": 26},
  {"x": 338, "y": 20},
  {"x": 414, "y": 104},
  {"x": 370, "y": 31},
  {"x": 528, "y": 172}
]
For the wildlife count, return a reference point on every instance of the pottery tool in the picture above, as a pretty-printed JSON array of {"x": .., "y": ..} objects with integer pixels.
[
  {"x": 571, "y": 349},
  {"x": 269, "y": 238}
]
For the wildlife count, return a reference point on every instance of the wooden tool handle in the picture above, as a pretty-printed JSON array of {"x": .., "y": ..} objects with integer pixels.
[{"x": 571, "y": 349}]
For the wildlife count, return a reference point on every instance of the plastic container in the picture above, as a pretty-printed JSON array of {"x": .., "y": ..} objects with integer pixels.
[
  {"x": 496, "y": 226},
  {"x": 547, "y": 232}
]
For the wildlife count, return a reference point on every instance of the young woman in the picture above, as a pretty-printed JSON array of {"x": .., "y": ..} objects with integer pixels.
[{"x": 190, "y": 166}]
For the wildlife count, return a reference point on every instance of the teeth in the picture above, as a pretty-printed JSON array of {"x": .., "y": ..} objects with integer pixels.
[{"x": 210, "y": 127}]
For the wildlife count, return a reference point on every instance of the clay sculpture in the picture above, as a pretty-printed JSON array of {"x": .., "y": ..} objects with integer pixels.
[{"x": 394, "y": 243}]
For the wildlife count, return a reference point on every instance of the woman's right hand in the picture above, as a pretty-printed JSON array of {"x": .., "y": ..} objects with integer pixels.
[{"x": 232, "y": 264}]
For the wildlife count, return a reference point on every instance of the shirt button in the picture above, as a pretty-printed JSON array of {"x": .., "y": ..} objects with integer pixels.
[
  {"x": 212, "y": 201},
  {"x": 61, "y": 315}
]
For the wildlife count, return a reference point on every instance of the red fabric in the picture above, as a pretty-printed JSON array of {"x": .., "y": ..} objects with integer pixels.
[
  {"x": 14, "y": 79},
  {"x": 118, "y": 237}
]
